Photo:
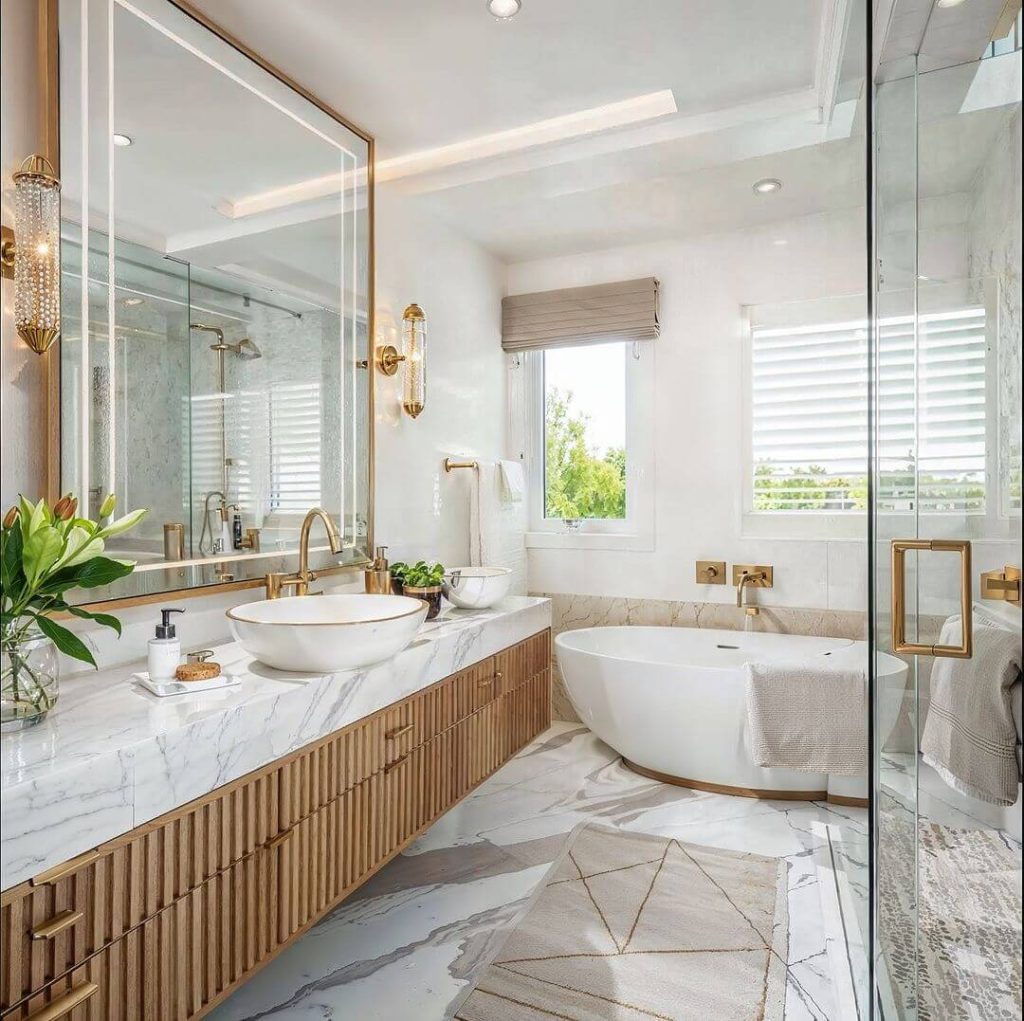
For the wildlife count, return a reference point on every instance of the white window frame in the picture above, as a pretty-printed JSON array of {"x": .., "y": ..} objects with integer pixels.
[
  {"x": 636, "y": 530},
  {"x": 993, "y": 523}
]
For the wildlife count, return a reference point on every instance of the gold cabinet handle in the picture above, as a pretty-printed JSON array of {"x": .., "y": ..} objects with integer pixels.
[
  {"x": 280, "y": 839},
  {"x": 64, "y": 1004},
  {"x": 899, "y": 598},
  {"x": 398, "y": 732},
  {"x": 57, "y": 924},
  {"x": 394, "y": 765},
  {"x": 59, "y": 872}
]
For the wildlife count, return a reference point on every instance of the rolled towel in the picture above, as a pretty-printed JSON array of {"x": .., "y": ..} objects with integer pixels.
[
  {"x": 811, "y": 718},
  {"x": 970, "y": 737}
]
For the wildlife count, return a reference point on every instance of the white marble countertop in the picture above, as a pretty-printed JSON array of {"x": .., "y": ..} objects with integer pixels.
[{"x": 111, "y": 756}]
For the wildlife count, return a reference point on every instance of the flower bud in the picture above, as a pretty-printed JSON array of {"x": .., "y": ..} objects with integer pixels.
[
  {"x": 107, "y": 507},
  {"x": 61, "y": 506},
  {"x": 71, "y": 509},
  {"x": 10, "y": 517}
]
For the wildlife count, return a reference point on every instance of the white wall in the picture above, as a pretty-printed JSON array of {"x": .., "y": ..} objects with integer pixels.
[
  {"x": 22, "y": 425},
  {"x": 698, "y": 412},
  {"x": 422, "y": 512}
]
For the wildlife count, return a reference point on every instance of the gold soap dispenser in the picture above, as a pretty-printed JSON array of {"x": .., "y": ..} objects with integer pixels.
[{"x": 377, "y": 577}]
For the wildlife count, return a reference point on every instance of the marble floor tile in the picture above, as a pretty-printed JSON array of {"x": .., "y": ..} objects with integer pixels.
[{"x": 403, "y": 946}]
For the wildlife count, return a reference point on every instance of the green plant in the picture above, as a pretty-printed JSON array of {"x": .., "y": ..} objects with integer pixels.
[
  {"x": 419, "y": 575},
  {"x": 578, "y": 482},
  {"x": 44, "y": 551}
]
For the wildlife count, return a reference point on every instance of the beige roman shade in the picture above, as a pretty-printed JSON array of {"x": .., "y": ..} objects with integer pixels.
[{"x": 580, "y": 315}]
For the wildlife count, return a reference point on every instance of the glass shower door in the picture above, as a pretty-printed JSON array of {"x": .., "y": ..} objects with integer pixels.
[{"x": 946, "y": 506}]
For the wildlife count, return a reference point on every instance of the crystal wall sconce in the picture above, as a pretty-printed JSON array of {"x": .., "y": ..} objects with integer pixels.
[
  {"x": 414, "y": 354},
  {"x": 31, "y": 253}
]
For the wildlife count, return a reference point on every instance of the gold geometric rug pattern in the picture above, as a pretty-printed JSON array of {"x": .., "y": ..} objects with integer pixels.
[{"x": 633, "y": 927}]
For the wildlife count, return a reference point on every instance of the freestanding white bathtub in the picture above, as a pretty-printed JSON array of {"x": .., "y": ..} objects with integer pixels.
[{"x": 672, "y": 702}]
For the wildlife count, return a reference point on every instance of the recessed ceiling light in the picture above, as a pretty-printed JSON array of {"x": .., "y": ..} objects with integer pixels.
[
  {"x": 504, "y": 9},
  {"x": 950, "y": 3},
  {"x": 123, "y": 141},
  {"x": 780, "y": 242},
  {"x": 767, "y": 185},
  {"x": 132, "y": 302}
]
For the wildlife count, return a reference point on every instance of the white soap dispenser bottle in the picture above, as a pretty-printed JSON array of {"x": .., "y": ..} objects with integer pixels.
[{"x": 165, "y": 649}]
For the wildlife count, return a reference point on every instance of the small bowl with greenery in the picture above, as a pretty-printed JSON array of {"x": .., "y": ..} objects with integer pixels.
[{"x": 421, "y": 581}]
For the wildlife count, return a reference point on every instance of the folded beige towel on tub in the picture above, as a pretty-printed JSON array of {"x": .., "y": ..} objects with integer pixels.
[
  {"x": 809, "y": 718},
  {"x": 970, "y": 737}
]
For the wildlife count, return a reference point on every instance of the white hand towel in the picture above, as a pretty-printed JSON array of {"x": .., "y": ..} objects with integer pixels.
[
  {"x": 970, "y": 736},
  {"x": 811, "y": 718},
  {"x": 513, "y": 481},
  {"x": 497, "y": 529}
]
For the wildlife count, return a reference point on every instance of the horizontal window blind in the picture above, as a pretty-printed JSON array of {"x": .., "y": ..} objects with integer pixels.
[
  {"x": 809, "y": 415},
  {"x": 581, "y": 315},
  {"x": 295, "y": 428}
]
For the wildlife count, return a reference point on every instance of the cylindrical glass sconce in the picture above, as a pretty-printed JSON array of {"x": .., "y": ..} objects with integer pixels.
[
  {"x": 36, "y": 253},
  {"x": 414, "y": 348}
]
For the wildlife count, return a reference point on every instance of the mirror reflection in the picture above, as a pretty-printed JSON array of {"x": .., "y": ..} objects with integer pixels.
[{"x": 215, "y": 287}]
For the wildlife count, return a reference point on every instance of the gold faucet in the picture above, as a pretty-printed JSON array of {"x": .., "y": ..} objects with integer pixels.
[
  {"x": 748, "y": 578},
  {"x": 303, "y": 576}
]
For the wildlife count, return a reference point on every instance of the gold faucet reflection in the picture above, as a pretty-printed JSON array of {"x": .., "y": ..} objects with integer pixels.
[
  {"x": 299, "y": 581},
  {"x": 748, "y": 578}
]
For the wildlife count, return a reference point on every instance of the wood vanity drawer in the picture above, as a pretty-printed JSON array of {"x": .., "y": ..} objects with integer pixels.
[
  {"x": 56, "y": 920},
  {"x": 176, "y": 963}
]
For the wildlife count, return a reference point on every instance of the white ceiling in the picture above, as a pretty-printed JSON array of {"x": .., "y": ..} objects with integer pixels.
[
  {"x": 423, "y": 73},
  {"x": 762, "y": 88}
]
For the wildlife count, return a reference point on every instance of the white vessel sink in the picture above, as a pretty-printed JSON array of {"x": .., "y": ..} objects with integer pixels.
[
  {"x": 476, "y": 588},
  {"x": 325, "y": 633}
]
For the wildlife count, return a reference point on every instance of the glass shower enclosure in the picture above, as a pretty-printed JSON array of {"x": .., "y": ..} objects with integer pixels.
[{"x": 946, "y": 525}]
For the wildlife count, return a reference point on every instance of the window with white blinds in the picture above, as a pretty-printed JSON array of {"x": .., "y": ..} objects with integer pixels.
[
  {"x": 273, "y": 448},
  {"x": 295, "y": 429},
  {"x": 809, "y": 414}
]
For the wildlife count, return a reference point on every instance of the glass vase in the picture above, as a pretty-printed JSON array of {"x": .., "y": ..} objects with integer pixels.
[{"x": 31, "y": 676}]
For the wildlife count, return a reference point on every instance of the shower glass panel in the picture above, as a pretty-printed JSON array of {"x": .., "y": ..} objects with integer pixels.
[
  {"x": 124, "y": 415},
  {"x": 947, "y": 458}
]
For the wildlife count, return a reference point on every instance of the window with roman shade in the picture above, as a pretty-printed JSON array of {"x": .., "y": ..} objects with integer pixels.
[{"x": 573, "y": 316}]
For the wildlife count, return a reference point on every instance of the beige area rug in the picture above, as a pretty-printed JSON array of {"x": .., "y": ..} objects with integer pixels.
[
  {"x": 628, "y": 927},
  {"x": 965, "y": 963}
]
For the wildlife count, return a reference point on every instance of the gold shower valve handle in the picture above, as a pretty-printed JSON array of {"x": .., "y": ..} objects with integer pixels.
[{"x": 899, "y": 550}]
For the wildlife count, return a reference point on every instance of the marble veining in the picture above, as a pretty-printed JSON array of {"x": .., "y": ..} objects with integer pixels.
[
  {"x": 404, "y": 945},
  {"x": 111, "y": 756}
]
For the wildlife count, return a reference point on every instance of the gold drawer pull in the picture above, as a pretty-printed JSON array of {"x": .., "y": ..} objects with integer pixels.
[
  {"x": 488, "y": 681},
  {"x": 59, "y": 872},
  {"x": 394, "y": 765},
  {"x": 899, "y": 549},
  {"x": 398, "y": 732},
  {"x": 64, "y": 1004},
  {"x": 57, "y": 924},
  {"x": 277, "y": 841}
]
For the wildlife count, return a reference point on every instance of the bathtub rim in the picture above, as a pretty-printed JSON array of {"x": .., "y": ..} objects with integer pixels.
[{"x": 563, "y": 637}]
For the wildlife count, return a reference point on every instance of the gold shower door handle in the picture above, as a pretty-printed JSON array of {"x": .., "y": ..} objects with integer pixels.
[{"x": 899, "y": 598}]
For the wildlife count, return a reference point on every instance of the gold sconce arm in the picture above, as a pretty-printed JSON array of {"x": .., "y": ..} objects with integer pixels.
[
  {"x": 899, "y": 598},
  {"x": 387, "y": 359}
]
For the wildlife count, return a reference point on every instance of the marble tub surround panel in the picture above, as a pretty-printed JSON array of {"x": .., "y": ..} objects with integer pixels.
[
  {"x": 573, "y": 612},
  {"x": 408, "y": 942},
  {"x": 111, "y": 756}
]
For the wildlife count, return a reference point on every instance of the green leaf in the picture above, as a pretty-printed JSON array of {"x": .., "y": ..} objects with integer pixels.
[
  {"x": 122, "y": 524},
  {"x": 67, "y": 641},
  {"x": 105, "y": 619},
  {"x": 41, "y": 552},
  {"x": 101, "y": 571},
  {"x": 12, "y": 570}
]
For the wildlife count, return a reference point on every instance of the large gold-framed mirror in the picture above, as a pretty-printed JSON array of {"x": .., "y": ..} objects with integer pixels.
[{"x": 217, "y": 300}]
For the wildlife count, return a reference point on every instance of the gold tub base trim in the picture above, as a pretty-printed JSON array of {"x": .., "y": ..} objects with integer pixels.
[{"x": 745, "y": 792}]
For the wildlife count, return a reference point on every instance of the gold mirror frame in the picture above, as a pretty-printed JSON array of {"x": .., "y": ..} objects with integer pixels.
[{"x": 48, "y": 40}]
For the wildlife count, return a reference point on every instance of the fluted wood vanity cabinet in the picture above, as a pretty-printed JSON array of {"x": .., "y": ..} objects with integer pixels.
[{"x": 164, "y": 921}]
